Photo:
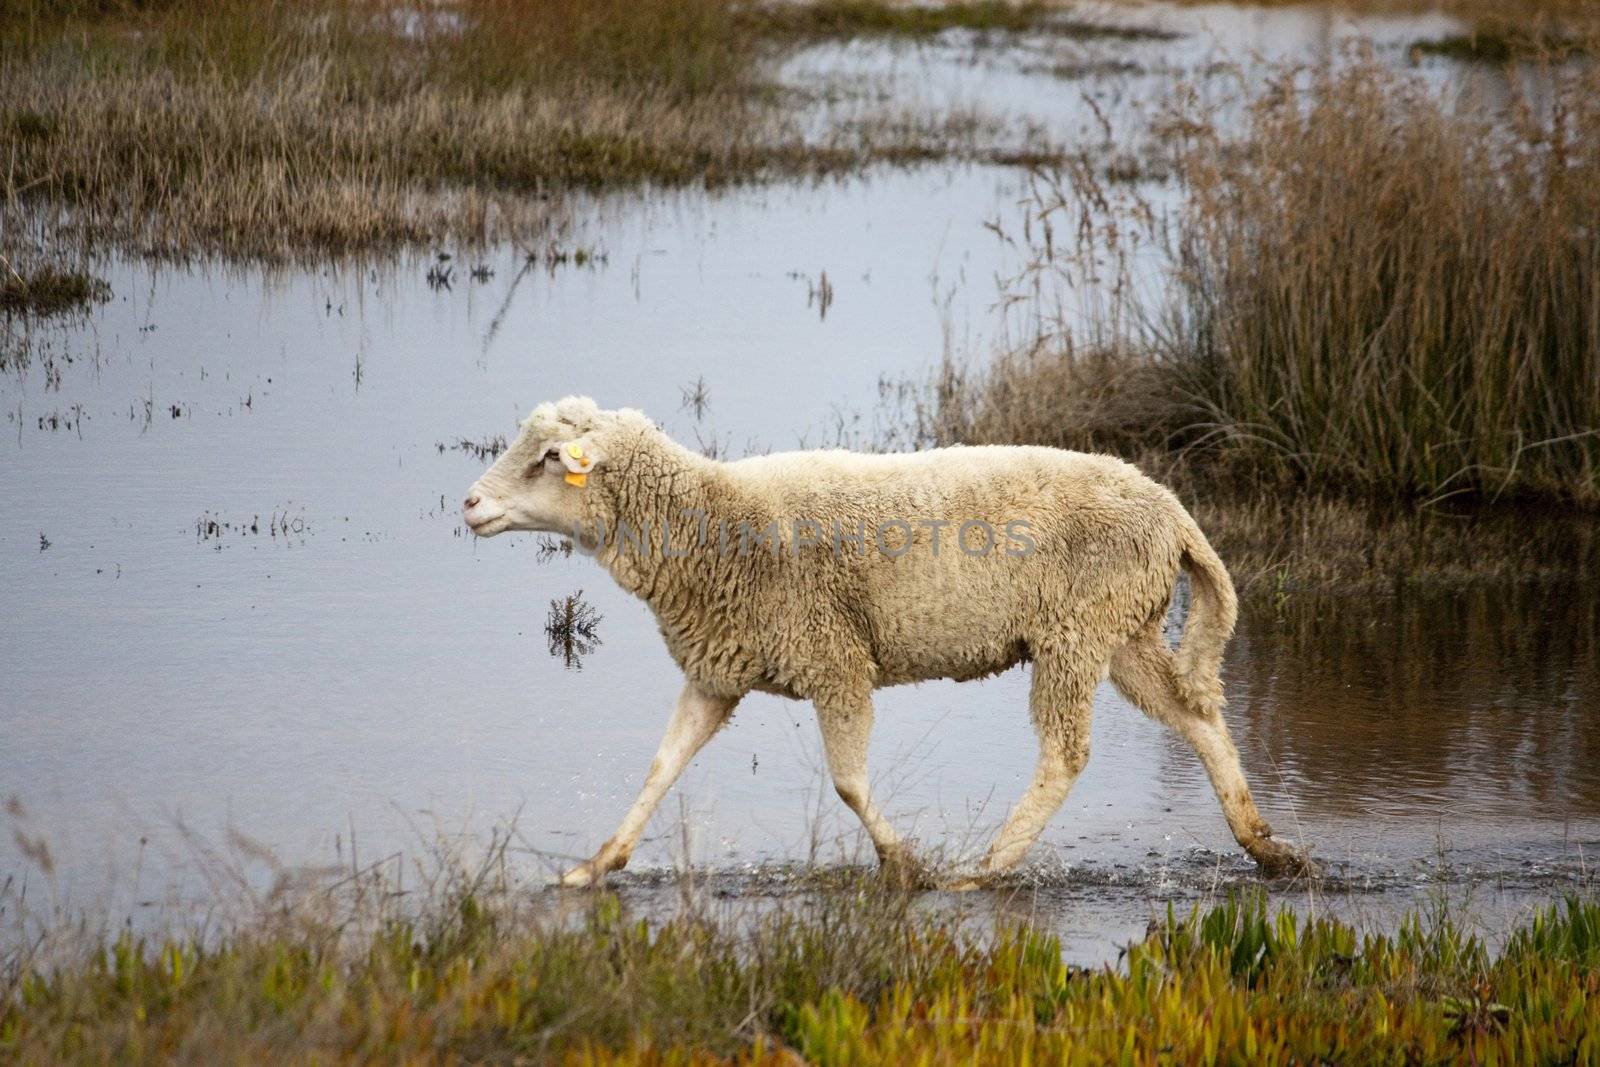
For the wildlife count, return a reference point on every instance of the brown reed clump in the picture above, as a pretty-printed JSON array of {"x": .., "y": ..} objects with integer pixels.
[
  {"x": 1384, "y": 292},
  {"x": 1372, "y": 290}
]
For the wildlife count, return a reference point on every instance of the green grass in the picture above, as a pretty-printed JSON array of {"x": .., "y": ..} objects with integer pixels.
[{"x": 856, "y": 974}]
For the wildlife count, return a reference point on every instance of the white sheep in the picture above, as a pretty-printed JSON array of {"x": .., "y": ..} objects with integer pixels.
[{"x": 822, "y": 576}]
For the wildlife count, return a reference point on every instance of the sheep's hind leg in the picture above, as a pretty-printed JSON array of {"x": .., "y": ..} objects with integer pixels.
[
  {"x": 697, "y": 718},
  {"x": 1061, "y": 703},
  {"x": 1144, "y": 671},
  {"x": 846, "y": 728}
]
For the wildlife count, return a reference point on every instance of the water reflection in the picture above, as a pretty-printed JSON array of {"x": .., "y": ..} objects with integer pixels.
[
  {"x": 1474, "y": 704},
  {"x": 572, "y": 630}
]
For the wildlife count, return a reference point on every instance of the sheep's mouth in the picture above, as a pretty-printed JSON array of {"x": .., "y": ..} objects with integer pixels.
[{"x": 489, "y": 527}]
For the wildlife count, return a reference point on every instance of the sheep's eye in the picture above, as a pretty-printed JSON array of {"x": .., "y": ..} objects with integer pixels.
[{"x": 537, "y": 465}]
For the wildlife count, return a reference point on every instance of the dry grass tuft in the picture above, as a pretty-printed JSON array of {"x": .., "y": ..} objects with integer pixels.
[
  {"x": 45, "y": 289},
  {"x": 572, "y": 629},
  {"x": 299, "y": 127}
]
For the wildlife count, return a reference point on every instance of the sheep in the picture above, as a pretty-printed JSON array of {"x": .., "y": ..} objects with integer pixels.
[{"x": 823, "y": 576}]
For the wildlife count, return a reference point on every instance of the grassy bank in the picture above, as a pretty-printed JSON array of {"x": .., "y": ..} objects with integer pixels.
[
  {"x": 852, "y": 974},
  {"x": 301, "y": 127},
  {"x": 1378, "y": 345}
]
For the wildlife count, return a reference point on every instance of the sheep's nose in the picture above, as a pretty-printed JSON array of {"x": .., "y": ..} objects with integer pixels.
[{"x": 472, "y": 501}]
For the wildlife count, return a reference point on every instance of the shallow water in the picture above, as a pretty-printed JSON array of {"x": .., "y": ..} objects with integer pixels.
[{"x": 238, "y": 596}]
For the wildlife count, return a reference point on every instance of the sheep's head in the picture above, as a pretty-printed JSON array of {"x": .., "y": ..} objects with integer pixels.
[{"x": 546, "y": 480}]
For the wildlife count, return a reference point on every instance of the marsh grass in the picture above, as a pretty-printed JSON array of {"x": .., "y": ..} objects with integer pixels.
[
  {"x": 299, "y": 127},
  {"x": 853, "y": 18},
  {"x": 461, "y": 962},
  {"x": 267, "y": 128},
  {"x": 1495, "y": 43},
  {"x": 1530, "y": 30},
  {"x": 846, "y": 19},
  {"x": 1277, "y": 538},
  {"x": 1383, "y": 292}
]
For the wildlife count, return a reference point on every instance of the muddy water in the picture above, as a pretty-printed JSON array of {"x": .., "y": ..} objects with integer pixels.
[{"x": 238, "y": 598}]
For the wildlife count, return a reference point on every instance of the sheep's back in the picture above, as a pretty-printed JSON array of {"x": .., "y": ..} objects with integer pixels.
[{"x": 1056, "y": 543}]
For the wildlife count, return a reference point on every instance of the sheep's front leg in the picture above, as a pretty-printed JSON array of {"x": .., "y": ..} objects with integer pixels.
[
  {"x": 698, "y": 716},
  {"x": 1062, "y": 704},
  {"x": 846, "y": 727}
]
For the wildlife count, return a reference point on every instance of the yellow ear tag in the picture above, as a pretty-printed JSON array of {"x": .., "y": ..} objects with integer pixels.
[{"x": 577, "y": 463}]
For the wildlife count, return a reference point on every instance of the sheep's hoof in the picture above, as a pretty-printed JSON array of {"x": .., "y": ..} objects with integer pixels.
[
  {"x": 962, "y": 885},
  {"x": 583, "y": 876},
  {"x": 970, "y": 880},
  {"x": 900, "y": 868},
  {"x": 1280, "y": 859}
]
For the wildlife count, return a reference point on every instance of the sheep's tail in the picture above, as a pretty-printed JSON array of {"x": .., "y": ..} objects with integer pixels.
[{"x": 1213, "y": 609}]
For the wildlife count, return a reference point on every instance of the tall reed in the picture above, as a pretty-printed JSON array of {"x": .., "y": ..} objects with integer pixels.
[{"x": 1382, "y": 289}]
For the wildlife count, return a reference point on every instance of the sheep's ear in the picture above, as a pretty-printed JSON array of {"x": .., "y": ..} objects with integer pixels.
[{"x": 579, "y": 457}]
